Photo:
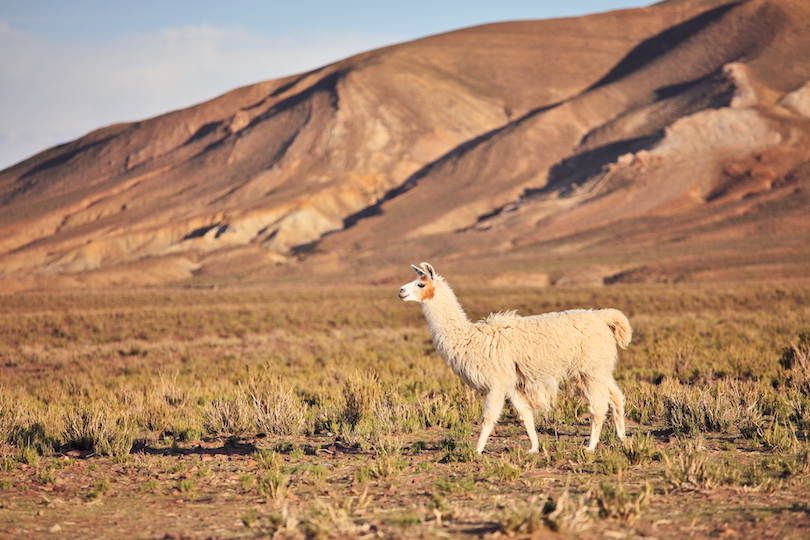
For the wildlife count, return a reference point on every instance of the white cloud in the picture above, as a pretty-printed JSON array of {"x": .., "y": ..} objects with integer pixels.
[{"x": 54, "y": 92}]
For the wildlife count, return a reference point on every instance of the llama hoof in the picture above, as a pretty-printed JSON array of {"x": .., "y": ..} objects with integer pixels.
[{"x": 534, "y": 450}]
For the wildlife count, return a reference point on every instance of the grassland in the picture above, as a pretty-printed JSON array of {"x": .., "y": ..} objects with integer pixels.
[{"x": 244, "y": 413}]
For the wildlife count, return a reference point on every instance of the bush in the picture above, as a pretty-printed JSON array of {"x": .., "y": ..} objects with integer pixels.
[
  {"x": 277, "y": 409},
  {"x": 229, "y": 416},
  {"x": 796, "y": 359},
  {"x": 100, "y": 428}
]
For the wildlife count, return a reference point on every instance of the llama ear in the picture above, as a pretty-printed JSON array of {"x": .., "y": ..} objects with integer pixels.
[
  {"x": 417, "y": 270},
  {"x": 428, "y": 271}
]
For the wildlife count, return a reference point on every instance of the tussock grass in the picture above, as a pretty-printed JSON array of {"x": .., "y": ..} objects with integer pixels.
[
  {"x": 619, "y": 503},
  {"x": 639, "y": 448},
  {"x": 277, "y": 409},
  {"x": 690, "y": 469},
  {"x": 273, "y": 484},
  {"x": 229, "y": 415},
  {"x": 526, "y": 518},
  {"x": 565, "y": 513},
  {"x": 106, "y": 431}
]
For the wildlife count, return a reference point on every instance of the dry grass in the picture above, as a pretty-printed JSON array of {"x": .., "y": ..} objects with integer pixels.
[{"x": 328, "y": 414}]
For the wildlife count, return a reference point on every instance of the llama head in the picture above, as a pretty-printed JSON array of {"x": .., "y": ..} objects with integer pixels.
[{"x": 423, "y": 287}]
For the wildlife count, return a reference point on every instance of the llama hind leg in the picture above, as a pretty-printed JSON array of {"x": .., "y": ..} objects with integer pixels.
[
  {"x": 493, "y": 405},
  {"x": 617, "y": 405},
  {"x": 526, "y": 414},
  {"x": 597, "y": 395}
]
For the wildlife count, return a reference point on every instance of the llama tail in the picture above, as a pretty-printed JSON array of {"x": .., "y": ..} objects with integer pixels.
[{"x": 618, "y": 323}]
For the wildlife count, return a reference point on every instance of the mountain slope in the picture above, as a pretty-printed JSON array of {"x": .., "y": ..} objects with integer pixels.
[{"x": 615, "y": 147}]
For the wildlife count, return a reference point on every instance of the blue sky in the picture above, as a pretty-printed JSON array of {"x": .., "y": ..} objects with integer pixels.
[{"x": 70, "y": 66}]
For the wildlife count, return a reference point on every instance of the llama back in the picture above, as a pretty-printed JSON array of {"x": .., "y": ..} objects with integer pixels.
[
  {"x": 500, "y": 318},
  {"x": 565, "y": 345},
  {"x": 565, "y": 328}
]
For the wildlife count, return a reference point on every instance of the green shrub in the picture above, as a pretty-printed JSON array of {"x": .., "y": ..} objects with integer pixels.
[
  {"x": 616, "y": 502},
  {"x": 229, "y": 416},
  {"x": 277, "y": 409},
  {"x": 104, "y": 429}
]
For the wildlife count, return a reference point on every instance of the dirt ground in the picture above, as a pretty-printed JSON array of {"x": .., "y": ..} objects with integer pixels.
[{"x": 213, "y": 489}]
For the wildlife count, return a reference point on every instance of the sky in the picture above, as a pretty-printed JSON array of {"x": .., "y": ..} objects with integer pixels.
[{"x": 68, "y": 67}]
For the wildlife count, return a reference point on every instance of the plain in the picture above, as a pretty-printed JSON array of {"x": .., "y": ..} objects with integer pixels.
[{"x": 256, "y": 412}]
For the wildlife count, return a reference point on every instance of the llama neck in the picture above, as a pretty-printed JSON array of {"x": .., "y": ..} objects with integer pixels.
[
  {"x": 451, "y": 331},
  {"x": 443, "y": 312}
]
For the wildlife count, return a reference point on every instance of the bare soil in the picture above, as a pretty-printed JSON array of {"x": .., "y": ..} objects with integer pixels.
[{"x": 208, "y": 489}]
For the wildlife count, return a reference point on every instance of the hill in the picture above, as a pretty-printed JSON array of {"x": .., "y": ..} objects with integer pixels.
[{"x": 667, "y": 143}]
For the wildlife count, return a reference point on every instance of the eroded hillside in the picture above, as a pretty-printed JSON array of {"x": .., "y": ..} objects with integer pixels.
[{"x": 657, "y": 144}]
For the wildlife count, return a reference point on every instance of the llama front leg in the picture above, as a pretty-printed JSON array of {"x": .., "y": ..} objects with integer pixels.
[{"x": 493, "y": 405}]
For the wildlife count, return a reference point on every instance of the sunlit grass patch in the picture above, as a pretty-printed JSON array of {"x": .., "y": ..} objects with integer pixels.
[
  {"x": 689, "y": 468},
  {"x": 102, "y": 428},
  {"x": 618, "y": 502},
  {"x": 277, "y": 409},
  {"x": 503, "y": 470},
  {"x": 565, "y": 513}
]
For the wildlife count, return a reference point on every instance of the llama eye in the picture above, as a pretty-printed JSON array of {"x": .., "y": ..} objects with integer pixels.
[{"x": 420, "y": 285}]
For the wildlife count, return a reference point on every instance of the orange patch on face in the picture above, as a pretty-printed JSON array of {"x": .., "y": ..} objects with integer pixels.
[{"x": 428, "y": 290}]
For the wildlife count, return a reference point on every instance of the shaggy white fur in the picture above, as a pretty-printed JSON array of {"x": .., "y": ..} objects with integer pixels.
[{"x": 526, "y": 358}]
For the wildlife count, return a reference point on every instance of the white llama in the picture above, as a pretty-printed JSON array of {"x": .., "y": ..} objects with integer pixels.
[{"x": 526, "y": 358}]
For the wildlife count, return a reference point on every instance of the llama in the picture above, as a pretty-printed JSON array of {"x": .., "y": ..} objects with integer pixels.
[{"x": 526, "y": 358}]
